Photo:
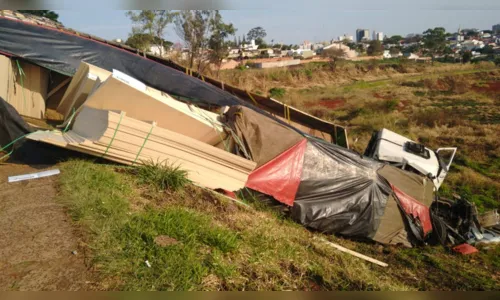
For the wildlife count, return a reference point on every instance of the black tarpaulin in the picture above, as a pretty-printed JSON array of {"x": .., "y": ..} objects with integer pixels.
[
  {"x": 12, "y": 126},
  {"x": 62, "y": 52},
  {"x": 340, "y": 191}
]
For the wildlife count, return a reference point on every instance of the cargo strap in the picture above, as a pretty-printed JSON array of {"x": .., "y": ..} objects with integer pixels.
[
  {"x": 69, "y": 120},
  {"x": 12, "y": 143},
  {"x": 143, "y": 144},
  {"x": 114, "y": 134},
  {"x": 253, "y": 99},
  {"x": 286, "y": 112}
]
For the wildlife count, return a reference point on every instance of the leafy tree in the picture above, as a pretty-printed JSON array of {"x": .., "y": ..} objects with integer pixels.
[
  {"x": 394, "y": 50},
  {"x": 217, "y": 43},
  {"x": 375, "y": 48},
  {"x": 333, "y": 55},
  {"x": 256, "y": 33},
  {"x": 395, "y": 39},
  {"x": 466, "y": 57},
  {"x": 153, "y": 23},
  {"x": 193, "y": 27},
  {"x": 42, "y": 13},
  {"x": 435, "y": 41},
  {"x": 143, "y": 41},
  {"x": 351, "y": 45},
  {"x": 487, "y": 50}
]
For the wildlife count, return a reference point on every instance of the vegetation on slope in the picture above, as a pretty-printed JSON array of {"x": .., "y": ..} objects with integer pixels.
[
  {"x": 441, "y": 106},
  {"x": 193, "y": 239}
]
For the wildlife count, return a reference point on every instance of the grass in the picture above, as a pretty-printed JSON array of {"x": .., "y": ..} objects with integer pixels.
[
  {"x": 162, "y": 175},
  {"x": 214, "y": 244}
]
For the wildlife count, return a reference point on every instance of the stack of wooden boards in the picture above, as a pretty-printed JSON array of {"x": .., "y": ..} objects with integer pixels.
[
  {"x": 24, "y": 86},
  {"x": 98, "y": 88},
  {"x": 117, "y": 137}
]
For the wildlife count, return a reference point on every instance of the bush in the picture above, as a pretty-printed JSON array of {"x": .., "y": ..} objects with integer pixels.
[
  {"x": 277, "y": 92},
  {"x": 391, "y": 104},
  {"x": 162, "y": 175}
]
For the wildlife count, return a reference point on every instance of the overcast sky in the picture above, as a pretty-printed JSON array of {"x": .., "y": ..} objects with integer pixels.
[{"x": 295, "y": 21}]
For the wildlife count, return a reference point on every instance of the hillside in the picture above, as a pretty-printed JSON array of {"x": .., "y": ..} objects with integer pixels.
[{"x": 445, "y": 105}]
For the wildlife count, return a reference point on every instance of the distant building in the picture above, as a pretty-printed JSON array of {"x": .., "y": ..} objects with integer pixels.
[
  {"x": 250, "y": 47},
  {"x": 345, "y": 37},
  {"x": 379, "y": 36},
  {"x": 362, "y": 34},
  {"x": 472, "y": 45},
  {"x": 495, "y": 28}
]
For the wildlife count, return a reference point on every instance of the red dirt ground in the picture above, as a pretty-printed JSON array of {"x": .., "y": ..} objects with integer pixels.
[
  {"x": 328, "y": 103},
  {"x": 492, "y": 88}
]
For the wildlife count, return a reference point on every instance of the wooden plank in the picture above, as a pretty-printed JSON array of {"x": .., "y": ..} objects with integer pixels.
[
  {"x": 353, "y": 253},
  {"x": 28, "y": 93},
  {"x": 58, "y": 87},
  {"x": 5, "y": 77},
  {"x": 149, "y": 104},
  {"x": 206, "y": 165}
]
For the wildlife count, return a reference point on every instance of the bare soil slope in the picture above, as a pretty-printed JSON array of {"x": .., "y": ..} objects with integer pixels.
[{"x": 36, "y": 236}]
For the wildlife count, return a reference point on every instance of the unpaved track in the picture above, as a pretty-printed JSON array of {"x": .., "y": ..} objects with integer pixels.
[{"x": 36, "y": 236}]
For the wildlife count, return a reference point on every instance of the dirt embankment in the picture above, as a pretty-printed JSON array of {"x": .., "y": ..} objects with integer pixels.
[{"x": 37, "y": 238}]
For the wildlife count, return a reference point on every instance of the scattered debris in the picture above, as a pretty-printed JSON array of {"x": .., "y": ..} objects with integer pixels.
[
  {"x": 34, "y": 175},
  {"x": 465, "y": 249},
  {"x": 74, "y": 252},
  {"x": 354, "y": 253},
  {"x": 148, "y": 264}
]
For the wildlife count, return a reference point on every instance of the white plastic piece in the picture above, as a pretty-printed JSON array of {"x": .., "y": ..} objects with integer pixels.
[{"x": 34, "y": 175}]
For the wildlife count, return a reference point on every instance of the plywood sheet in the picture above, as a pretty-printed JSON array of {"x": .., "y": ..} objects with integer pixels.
[
  {"x": 147, "y": 104},
  {"x": 122, "y": 139},
  {"x": 27, "y": 89}
]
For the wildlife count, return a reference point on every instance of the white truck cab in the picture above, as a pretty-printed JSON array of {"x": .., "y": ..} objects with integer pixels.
[{"x": 397, "y": 150}]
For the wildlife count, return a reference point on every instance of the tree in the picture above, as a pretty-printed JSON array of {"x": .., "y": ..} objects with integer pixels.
[
  {"x": 256, "y": 33},
  {"x": 466, "y": 57},
  {"x": 394, "y": 51},
  {"x": 395, "y": 39},
  {"x": 333, "y": 55},
  {"x": 435, "y": 41},
  {"x": 42, "y": 13},
  {"x": 193, "y": 27},
  {"x": 239, "y": 41},
  {"x": 243, "y": 41},
  {"x": 375, "y": 48},
  {"x": 488, "y": 50},
  {"x": 153, "y": 23},
  {"x": 217, "y": 41}
]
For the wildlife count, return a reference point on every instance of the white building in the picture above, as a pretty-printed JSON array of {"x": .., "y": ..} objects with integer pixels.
[
  {"x": 470, "y": 45},
  {"x": 378, "y": 36},
  {"x": 348, "y": 52},
  {"x": 345, "y": 37},
  {"x": 250, "y": 47}
]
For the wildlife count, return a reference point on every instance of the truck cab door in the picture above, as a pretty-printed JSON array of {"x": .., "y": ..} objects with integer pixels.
[{"x": 445, "y": 157}]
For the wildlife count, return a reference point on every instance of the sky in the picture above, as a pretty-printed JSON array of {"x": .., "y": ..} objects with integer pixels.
[{"x": 293, "y": 22}]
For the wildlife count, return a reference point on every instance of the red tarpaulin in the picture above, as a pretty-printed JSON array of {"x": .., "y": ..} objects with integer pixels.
[
  {"x": 414, "y": 208},
  {"x": 280, "y": 177}
]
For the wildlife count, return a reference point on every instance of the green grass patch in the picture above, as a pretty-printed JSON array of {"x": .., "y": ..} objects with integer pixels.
[
  {"x": 162, "y": 175},
  {"x": 277, "y": 92},
  {"x": 194, "y": 241}
]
